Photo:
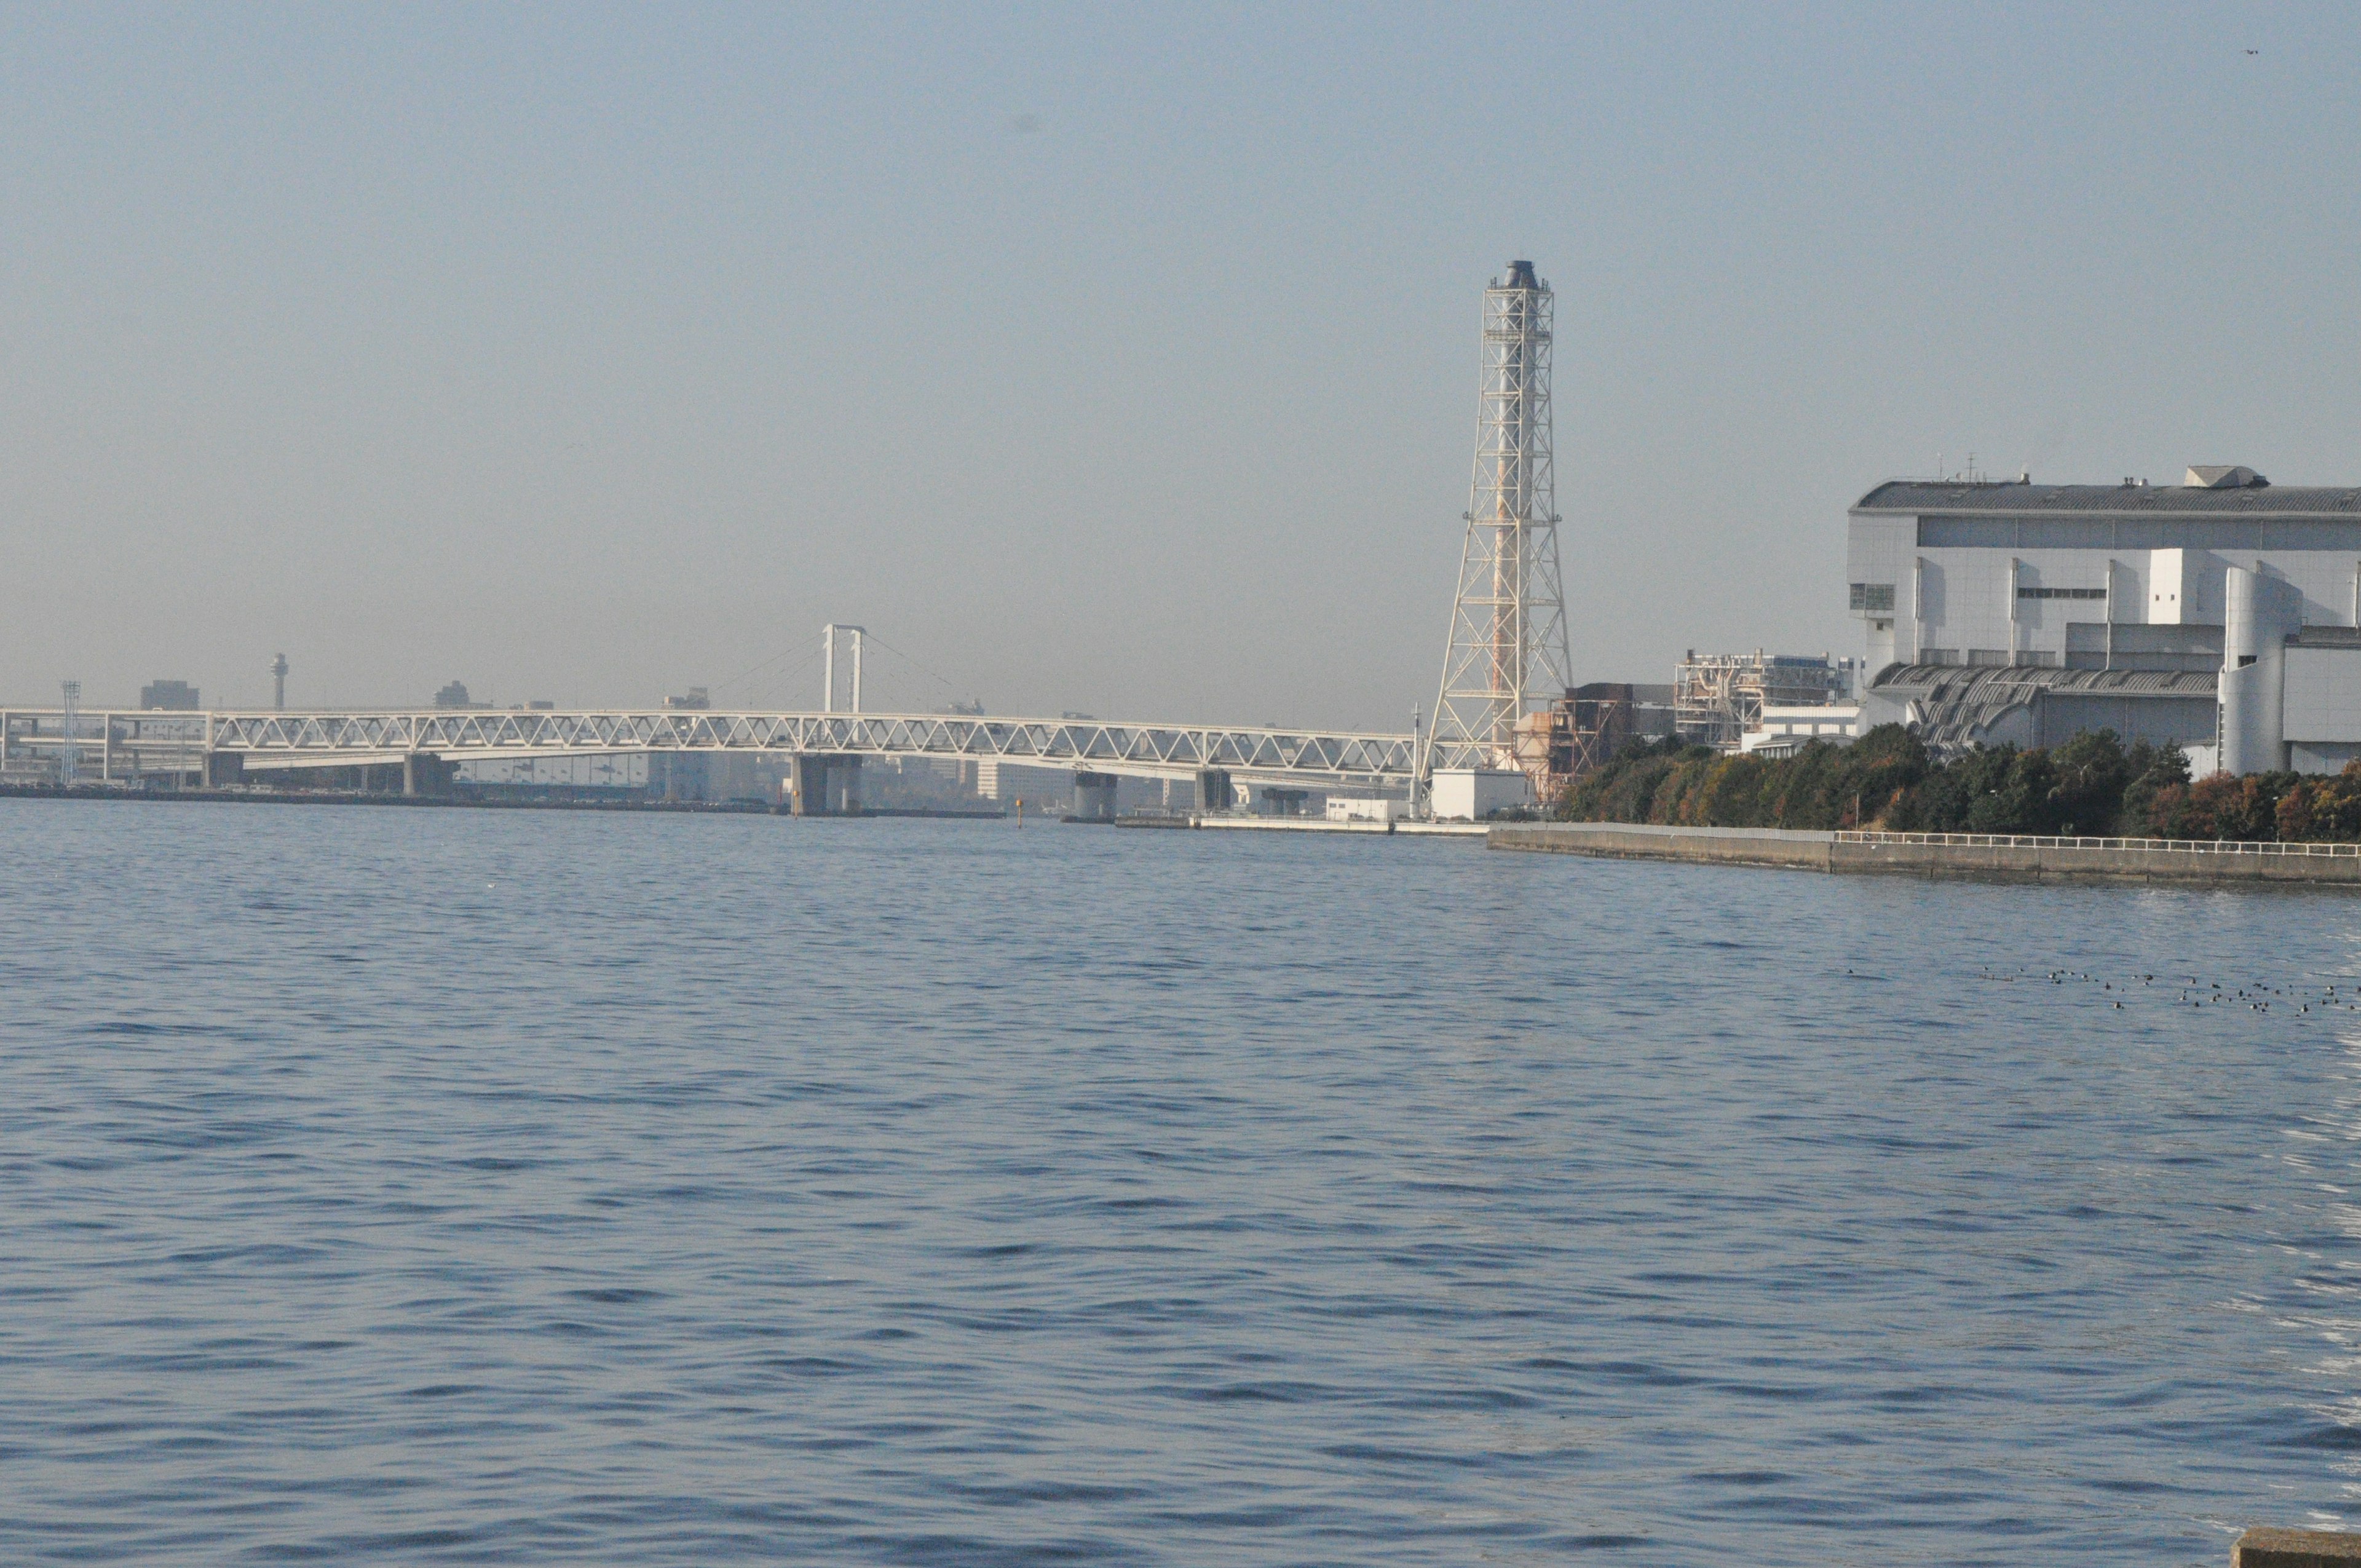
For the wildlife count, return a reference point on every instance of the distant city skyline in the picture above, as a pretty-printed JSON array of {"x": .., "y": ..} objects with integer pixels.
[{"x": 1109, "y": 362}]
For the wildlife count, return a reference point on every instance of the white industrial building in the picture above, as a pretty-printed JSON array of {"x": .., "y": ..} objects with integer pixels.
[
  {"x": 1783, "y": 730},
  {"x": 2223, "y": 612}
]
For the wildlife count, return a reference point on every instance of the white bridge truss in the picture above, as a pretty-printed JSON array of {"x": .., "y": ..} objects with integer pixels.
[{"x": 124, "y": 744}]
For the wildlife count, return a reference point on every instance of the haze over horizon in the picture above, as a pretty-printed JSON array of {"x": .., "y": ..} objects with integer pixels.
[{"x": 1123, "y": 363}]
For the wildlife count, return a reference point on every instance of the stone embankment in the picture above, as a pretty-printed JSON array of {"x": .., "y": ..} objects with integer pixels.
[
  {"x": 2296, "y": 1548},
  {"x": 1986, "y": 856}
]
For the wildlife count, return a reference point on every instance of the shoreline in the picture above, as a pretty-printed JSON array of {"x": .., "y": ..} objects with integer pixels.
[{"x": 1973, "y": 855}]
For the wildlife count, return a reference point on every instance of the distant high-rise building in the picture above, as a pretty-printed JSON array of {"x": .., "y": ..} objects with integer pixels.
[
  {"x": 279, "y": 682},
  {"x": 453, "y": 696},
  {"x": 169, "y": 697},
  {"x": 696, "y": 700}
]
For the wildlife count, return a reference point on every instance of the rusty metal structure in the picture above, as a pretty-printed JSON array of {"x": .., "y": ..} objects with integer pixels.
[{"x": 1576, "y": 735}]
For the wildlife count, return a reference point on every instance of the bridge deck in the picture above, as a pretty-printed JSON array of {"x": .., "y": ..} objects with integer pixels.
[{"x": 346, "y": 738}]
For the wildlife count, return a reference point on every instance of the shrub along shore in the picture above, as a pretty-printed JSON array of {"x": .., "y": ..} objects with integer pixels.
[{"x": 2093, "y": 785}]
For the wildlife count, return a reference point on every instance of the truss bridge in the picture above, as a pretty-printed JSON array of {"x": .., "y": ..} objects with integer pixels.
[{"x": 223, "y": 747}]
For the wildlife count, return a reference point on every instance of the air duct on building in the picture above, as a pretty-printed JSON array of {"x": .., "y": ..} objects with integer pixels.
[{"x": 2261, "y": 613}]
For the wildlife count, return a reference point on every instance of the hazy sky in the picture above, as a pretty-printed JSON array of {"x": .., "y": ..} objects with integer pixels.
[{"x": 1118, "y": 359}]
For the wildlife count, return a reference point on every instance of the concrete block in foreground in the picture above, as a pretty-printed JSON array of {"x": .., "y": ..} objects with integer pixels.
[{"x": 2296, "y": 1548}]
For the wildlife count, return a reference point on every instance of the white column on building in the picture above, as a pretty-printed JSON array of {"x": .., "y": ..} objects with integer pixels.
[
  {"x": 2014, "y": 567},
  {"x": 1917, "y": 608},
  {"x": 2112, "y": 569}
]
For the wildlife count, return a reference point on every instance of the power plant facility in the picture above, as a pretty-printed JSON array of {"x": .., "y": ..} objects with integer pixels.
[
  {"x": 1721, "y": 698},
  {"x": 2222, "y": 613},
  {"x": 1510, "y": 727}
]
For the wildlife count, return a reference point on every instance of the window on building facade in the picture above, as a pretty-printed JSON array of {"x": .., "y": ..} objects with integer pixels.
[
  {"x": 1873, "y": 595},
  {"x": 2027, "y": 592}
]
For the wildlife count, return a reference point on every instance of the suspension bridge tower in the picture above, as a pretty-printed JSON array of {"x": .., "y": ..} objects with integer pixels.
[{"x": 1505, "y": 660}]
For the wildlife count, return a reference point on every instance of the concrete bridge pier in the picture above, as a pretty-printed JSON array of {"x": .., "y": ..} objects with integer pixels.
[
  {"x": 223, "y": 769},
  {"x": 423, "y": 773},
  {"x": 680, "y": 775},
  {"x": 1093, "y": 798},
  {"x": 1213, "y": 789},
  {"x": 826, "y": 785}
]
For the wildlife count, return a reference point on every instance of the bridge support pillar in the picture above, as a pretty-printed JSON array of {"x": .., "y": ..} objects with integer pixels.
[
  {"x": 423, "y": 773},
  {"x": 1213, "y": 789},
  {"x": 1280, "y": 802},
  {"x": 223, "y": 768},
  {"x": 680, "y": 775},
  {"x": 827, "y": 786},
  {"x": 1093, "y": 798}
]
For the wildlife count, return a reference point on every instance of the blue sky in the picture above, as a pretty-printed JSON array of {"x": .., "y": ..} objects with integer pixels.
[{"x": 1119, "y": 360}]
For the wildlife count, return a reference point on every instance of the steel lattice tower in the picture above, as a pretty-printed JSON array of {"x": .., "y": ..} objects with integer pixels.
[{"x": 1507, "y": 654}]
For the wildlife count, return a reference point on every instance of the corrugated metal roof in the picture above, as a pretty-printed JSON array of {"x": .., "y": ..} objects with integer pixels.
[
  {"x": 2018, "y": 683},
  {"x": 1955, "y": 706},
  {"x": 1918, "y": 496}
]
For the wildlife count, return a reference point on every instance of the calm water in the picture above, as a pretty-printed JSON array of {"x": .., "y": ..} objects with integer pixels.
[{"x": 420, "y": 1186}]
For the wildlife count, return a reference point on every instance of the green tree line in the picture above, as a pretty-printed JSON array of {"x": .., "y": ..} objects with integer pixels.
[{"x": 2093, "y": 785}]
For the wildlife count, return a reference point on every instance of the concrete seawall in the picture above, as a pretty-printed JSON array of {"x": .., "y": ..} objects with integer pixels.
[{"x": 1991, "y": 856}]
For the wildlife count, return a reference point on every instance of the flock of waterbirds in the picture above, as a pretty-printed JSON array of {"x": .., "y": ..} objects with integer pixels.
[{"x": 2189, "y": 991}]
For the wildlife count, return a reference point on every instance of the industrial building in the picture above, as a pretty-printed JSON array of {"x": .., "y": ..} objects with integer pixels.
[
  {"x": 1719, "y": 698},
  {"x": 2222, "y": 613},
  {"x": 1784, "y": 731},
  {"x": 168, "y": 697}
]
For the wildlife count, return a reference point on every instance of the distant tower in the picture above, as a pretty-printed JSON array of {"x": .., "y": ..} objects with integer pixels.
[
  {"x": 1507, "y": 656},
  {"x": 829, "y": 634},
  {"x": 69, "y": 755},
  {"x": 279, "y": 682}
]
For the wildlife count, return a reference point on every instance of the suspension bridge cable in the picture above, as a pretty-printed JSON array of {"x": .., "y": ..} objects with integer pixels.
[
  {"x": 800, "y": 665},
  {"x": 912, "y": 661},
  {"x": 763, "y": 664}
]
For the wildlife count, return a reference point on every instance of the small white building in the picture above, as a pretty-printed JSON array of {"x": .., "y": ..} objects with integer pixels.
[
  {"x": 1470, "y": 794},
  {"x": 1787, "y": 729},
  {"x": 1348, "y": 808}
]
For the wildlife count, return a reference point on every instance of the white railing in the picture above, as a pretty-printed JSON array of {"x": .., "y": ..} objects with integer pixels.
[{"x": 2043, "y": 841}]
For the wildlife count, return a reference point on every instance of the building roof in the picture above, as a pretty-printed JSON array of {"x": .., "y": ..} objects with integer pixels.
[
  {"x": 2018, "y": 683},
  {"x": 1921, "y": 496},
  {"x": 1955, "y": 706}
]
